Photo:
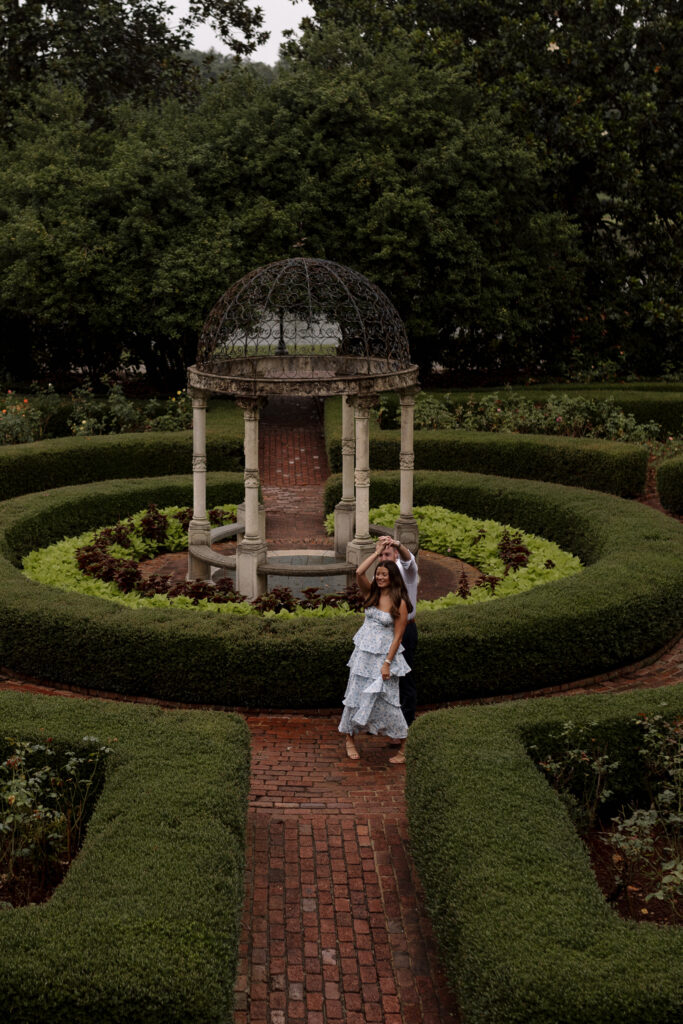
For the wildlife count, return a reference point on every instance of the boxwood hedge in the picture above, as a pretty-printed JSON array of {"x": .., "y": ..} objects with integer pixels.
[
  {"x": 670, "y": 485},
  {"x": 626, "y": 604},
  {"x": 43, "y": 465},
  {"x": 145, "y": 926},
  {"x": 609, "y": 466},
  {"x": 524, "y": 931}
]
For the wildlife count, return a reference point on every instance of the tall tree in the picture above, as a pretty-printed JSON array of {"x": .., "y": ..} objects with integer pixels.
[{"x": 111, "y": 50}]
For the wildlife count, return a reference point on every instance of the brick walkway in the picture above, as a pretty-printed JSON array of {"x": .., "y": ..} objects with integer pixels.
[
  {"x": 334, "y": 925},
  {"x": 334, "y": 929}
]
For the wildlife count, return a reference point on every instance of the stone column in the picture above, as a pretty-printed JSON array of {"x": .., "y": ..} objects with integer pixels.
[
  {"x": 345, "y": 510},
  {"x": 406, "y": 529},
  {"x": 199, "y": 531},
  {"x": 362, "y": 544},
  {"x": 251, "y": 551}
]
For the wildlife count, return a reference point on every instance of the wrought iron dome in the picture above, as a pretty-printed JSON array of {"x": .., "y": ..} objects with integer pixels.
[{"x": 302, "y": 326}]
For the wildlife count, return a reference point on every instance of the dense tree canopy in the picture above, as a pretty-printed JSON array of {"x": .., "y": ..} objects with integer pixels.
[
  {"x": 111, "y": 49},
  {"x": 509, "y": 173}
]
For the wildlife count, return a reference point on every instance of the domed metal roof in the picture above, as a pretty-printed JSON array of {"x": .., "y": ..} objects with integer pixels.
[{"x": 303, "y": 326}]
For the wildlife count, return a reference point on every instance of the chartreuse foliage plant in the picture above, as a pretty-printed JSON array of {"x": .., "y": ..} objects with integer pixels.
[
  {"x": 524, "y": 931},
  {"x": 145, "y": 925},
  {"x": 475, "y": 541},
  {"x": 625, "y": 604},
  {"x": 482, "y": 543}
]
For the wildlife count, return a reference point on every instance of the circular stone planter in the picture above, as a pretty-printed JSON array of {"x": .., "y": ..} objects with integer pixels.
[{"x": 625, "y": 605}]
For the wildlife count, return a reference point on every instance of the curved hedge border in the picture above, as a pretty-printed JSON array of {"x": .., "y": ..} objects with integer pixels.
[
  {"x": 44, "y": 465},
  {"x": 626, "y": 604},
  {"x": 524, "y": 932},
  {"x": 145, "y": 926},
  {"x": 610, "y": 466},
  {"x": 670, "y": 485}
]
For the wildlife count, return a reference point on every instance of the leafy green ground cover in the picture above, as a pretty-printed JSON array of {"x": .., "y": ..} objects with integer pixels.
[{"x": 475, "y": 541}]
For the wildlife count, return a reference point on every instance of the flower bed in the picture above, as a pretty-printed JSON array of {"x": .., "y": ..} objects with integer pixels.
[
  {"x": 105, "y": 564},
  {"x": 145, "y": 926}
]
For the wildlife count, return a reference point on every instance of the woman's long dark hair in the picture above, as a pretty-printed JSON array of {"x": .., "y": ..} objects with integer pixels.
[{"x": 397, "y": 590}]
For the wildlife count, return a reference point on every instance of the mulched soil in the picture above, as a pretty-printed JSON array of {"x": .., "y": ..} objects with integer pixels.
[{"x": 629, "y": 896}]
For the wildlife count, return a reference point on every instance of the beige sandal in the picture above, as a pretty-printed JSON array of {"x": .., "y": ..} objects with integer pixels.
[{"x": 399, "y": 758}]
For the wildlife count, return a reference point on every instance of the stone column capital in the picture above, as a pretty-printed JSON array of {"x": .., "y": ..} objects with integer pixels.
[
  {"x": 407, "y": 396},
  {"x": 251, "y": 407},
  {"x": 200, "y": 399},
  {"x": 362, "y": 404}
]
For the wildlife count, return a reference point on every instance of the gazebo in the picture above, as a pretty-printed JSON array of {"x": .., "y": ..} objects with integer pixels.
[{"x": 301, "y": 327}]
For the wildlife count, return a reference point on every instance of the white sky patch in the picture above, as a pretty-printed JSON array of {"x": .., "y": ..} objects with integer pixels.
[{"x": 278, "y": 15}]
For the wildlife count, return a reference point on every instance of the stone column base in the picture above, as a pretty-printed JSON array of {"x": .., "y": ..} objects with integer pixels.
[
  {"x": 344, "y": 526},
  {"x": 358, "y": 550},
  {"x": 199, "y": 532},
  {"x": 407, "y": 532},
  {"x": 250, "y": 554},
  {"x": 241, "y": 519}
]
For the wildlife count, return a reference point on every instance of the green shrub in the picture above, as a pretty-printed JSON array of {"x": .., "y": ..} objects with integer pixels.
[
  {"x": 610, "y": 466},
  {"x": 524, "y": 931},
  {"x": 670, "y": 485},
  {"x": 44, "y": 465},
  {"x": 626, "y": 604},
  {"x": 645, "y": 401},
  {"x": 503, "y": 411},
  {"x": 145, "y": 926}
]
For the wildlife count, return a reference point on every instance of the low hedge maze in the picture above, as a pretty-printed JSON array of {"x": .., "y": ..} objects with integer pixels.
[
  {"x": 524, "y": 931},
  {"x": 625, "y": 605},
  {"x": 145, "y": 926}
]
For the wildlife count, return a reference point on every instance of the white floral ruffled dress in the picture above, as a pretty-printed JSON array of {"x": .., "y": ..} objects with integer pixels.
[{"x": 372, "y": 704}]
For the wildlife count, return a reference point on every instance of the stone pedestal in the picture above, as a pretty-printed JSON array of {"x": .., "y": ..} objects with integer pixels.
[
  {"x": 406, "y": 532},
  {"x": 250, "y": 554}
]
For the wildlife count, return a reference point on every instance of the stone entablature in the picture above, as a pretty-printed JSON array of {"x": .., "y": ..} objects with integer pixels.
[{"x": 320, "y": 376}]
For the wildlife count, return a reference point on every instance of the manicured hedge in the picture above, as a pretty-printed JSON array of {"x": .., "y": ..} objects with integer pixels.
[
  {"x": 670, "y": 485},
  {"x": 43, "y": 465},
  {"x": 624, "y": 606},
  {"x": 524, "y": 931},
  {"x": 610, "y": 466},
  {"x": 660, "y": 402},
  {"x": 145, "y": 926}
]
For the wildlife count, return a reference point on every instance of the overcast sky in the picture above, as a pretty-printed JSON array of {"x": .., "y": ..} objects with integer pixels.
[{"x": 278, "y": 15}]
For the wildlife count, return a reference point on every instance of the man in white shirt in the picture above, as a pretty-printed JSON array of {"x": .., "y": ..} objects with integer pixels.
[{"x": 390, "y": 549}]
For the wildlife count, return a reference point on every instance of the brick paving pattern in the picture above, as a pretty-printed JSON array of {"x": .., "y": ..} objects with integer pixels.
[
  {"x": 334, "y": 925},
  {"x": 334, "y": 928}
]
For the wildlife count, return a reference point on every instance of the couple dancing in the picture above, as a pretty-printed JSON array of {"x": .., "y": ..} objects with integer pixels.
[{"x": 380, "y": 696}]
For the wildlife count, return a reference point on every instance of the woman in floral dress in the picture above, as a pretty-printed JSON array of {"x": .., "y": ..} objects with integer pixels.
[{"x": 371, "y": 702}]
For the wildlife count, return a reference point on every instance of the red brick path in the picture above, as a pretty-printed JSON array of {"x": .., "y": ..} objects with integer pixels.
[
  {"x": 334, "y": 925},
  {"x": 334, "y": 928}
]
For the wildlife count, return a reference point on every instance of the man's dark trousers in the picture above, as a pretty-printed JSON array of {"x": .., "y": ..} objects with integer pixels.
[{"x": 407, "y": 688}]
